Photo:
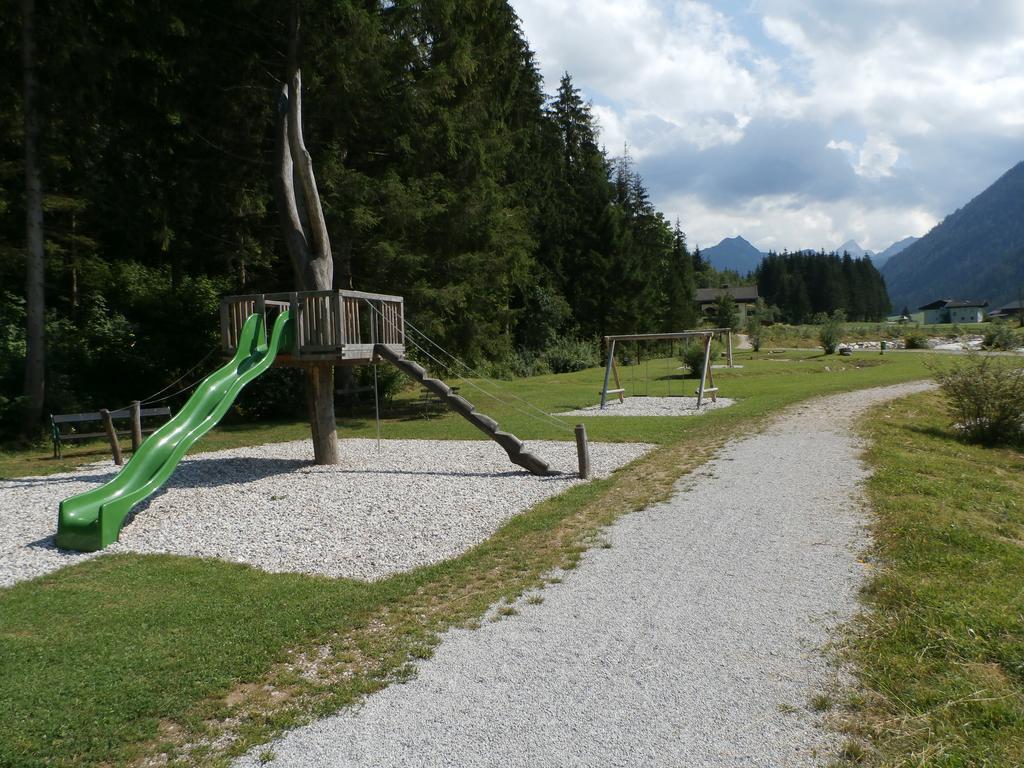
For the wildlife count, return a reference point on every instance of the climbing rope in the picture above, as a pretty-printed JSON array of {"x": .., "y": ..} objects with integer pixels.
[
  {"x": 153, "y": 398},
  {"x": 445, "y": 367},
  {"x": 476, "y": 374}
]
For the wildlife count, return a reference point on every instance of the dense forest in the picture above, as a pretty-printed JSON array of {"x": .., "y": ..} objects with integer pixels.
[
  {"x": 805, "y": 284},
  {"x": 447, "y": 175}
]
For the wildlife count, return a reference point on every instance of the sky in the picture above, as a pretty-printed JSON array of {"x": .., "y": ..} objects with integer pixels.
[{"x": 797, "y": 123}]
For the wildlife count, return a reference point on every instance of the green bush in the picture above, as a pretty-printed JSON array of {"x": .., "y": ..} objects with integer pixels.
[
  {"x": 755, "y": 332},
  {"x": 985, "y": 397},
  {"x": 726, "y": 314},
  {"x": 280, "y": 393},
  {"x": 831, "y": 331},
  {"x": 915, "y": 340},
  {"x": 390, "y": 381},
  {"x": 569, "y": 354},
  {"x": 520, "y": 364},
  {"x": 693, "y": 356},
  {"x": 1001, "y": 336}
]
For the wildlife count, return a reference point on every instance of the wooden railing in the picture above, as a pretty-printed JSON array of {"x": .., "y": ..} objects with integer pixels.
[{"x": 329, "y": 325}]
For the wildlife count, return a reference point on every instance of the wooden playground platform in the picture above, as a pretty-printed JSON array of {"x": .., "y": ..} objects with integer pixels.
[{"x": 336, "y": 327}]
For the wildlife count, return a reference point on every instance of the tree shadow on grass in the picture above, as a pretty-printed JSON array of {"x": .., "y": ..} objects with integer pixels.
[{"x": 936, "y": 432}]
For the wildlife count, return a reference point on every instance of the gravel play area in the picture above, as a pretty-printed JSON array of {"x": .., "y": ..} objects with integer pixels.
[
  {"x": 376, "y": 514},
  {"x": 693, "y": 640},
  {"x": 652, "y": 406}
]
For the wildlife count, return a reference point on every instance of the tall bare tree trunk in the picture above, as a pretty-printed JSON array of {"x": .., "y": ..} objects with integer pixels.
[
  {"x": 305, "y": 231},
  {"x": 35, "y": 297}
]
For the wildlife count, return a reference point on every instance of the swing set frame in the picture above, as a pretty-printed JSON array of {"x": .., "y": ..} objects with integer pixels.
[{"x": 707, "y": 380}]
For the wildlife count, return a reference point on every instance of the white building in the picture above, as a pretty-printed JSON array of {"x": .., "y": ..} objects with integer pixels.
[{"x": 951, "y": 311}]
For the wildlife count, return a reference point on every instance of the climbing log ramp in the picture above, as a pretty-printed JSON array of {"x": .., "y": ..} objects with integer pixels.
[{"x": 512, "y": 445}]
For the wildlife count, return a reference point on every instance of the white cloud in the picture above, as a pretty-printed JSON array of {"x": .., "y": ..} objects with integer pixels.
[
  {"x": 897, "y": 83},
  {"x": 678, "y": 64},
  {"x": 791, "y": 222},
  {"x": 845, "y": 146},
  {"x": 898, "y": 74},
  {"x": 877, "y": 157}
]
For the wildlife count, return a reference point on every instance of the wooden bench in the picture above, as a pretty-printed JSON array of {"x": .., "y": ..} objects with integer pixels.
[{"x": 59, "y": 437}]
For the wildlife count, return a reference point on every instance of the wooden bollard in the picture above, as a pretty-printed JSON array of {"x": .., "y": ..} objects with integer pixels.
[
  {"x": 583, "y": 451},
  {"x": 108, "y": 425},
  {"x": 136, "y": 425}
]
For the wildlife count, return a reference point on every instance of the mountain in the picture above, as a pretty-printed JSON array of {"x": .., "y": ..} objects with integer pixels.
[
  {"x": 851, "y": 247},
  {"x": 880, "y": 258},
  {"x": 975, "y": 253},
  {"x": 734, "y": 253}
]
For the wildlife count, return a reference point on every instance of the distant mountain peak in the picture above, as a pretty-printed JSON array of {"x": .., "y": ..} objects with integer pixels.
[
  {"x": 853, "y": 248},
  {"x": 736, "y": 253}
]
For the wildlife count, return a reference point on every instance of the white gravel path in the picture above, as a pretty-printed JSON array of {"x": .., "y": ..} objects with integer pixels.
[
  {"x": 652, "y": 406},
  {"x": 684, "y": 644},
  {"x": 414, "y": 503}
]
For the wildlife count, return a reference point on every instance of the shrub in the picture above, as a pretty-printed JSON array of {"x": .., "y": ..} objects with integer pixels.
[
  {"x": 985, "y": 397},
  {"x": 569, "y": 354},
  {"x": 915, "y": 340},
  {"x": 727, "y": 314},
  {"x": 280, "y": 393},
  {"x": 754, "y": 331},
  {"x": 390, "y": 381},
  {"x": 831, "y": 331},
  {"x": 1001, "y": 336},
  {"x": 693, "y": 356},
  {"x": 520, "y": 364}
]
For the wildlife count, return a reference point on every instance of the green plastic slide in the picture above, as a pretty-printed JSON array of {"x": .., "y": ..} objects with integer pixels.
[{"x": 92, "y": 520}]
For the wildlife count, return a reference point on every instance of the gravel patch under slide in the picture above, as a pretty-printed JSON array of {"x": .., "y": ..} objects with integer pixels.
[
  {"x": 651, "y": 406},
  {"x": 376, "y": 514},
  {"x": 693, "y": 641}
]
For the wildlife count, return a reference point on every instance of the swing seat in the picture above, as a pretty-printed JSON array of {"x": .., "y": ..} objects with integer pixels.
[{"x": 613, "y": 392}]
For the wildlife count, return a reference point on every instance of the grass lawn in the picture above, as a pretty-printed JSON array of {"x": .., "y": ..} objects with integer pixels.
[
  {"x": 127, "y": 656},
  {"x": 940, "y": 652}
]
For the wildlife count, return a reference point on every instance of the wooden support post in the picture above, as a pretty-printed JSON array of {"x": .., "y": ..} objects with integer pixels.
[
  {"x": 704, "y": 373},
  {"x": 583, "y": 451},
  {"x": 615, "y": 374},
  {"x": 608, "y": 372},
  {"x": 136, "y": 425},
  {"x": 108, "y": 425},
  {"x": 729, "y": 332},
  {"x": 711, "y": 385},
  {"x": 296, "y": 315}
]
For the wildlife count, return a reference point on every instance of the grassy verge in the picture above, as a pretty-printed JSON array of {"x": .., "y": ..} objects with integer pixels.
[
  {"x": 124, "y": 657},
  {"x": 940, "y": 651}
]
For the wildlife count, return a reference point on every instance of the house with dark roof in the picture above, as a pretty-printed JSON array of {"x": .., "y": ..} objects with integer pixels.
[
  {"x": 1005, "y": 312},
  {"x": 953, "y": 311},
  {"x": 745, "y": 296}
]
